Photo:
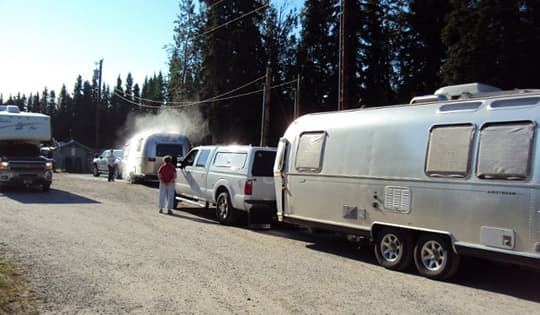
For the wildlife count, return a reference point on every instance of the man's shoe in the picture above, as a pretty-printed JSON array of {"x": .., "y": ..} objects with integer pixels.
[
  {"x": 160, "y": 210},
  {"x": 169, "y": 212}
]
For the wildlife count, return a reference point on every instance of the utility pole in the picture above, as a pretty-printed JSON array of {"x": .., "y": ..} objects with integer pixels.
[
  {"x": 265, "y": 119},
  {"x": 343, "y": 101},
  {"x": 296, "y": 111},
  {"x": 98, "y": 103}
]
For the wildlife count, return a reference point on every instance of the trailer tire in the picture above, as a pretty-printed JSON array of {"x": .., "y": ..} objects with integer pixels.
[
  {"x": 434, "y": 257},
  {"x": 95, "y": 171},
  {"x": 394, "y": 249},
  {"x": 224, "y": 209}
]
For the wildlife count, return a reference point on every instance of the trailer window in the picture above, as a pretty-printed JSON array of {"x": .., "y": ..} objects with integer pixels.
[
  {"x": 309, "y": 154},
  {"x": 449, "y": 150},
  {"x": 504, "y": 150},
  {"x": 232, "y": 160}
]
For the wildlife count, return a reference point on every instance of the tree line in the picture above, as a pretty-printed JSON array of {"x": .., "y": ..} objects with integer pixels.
[{"x": 396, "y": 49}]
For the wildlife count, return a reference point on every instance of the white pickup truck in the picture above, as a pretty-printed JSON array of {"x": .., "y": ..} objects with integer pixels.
[{"x": 234, "y": 178}]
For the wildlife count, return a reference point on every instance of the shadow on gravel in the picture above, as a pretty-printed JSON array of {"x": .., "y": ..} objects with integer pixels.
[
  {"x": 475, "y": 273},
  {"x": 53, "y": 196},
  {"x": 200, "y": 215},
  {"x": 511, "y": 280}
]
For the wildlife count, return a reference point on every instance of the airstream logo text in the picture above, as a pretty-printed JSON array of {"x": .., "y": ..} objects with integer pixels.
[{"x": 497, "y": 192}]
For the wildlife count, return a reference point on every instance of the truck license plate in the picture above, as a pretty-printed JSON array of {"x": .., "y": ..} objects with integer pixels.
[{"x": 27, "y": 181}]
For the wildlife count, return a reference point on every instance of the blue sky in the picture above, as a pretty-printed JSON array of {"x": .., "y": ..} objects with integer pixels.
[{"x": 49, "y": 43}]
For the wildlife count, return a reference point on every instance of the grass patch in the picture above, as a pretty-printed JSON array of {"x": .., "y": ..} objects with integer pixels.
[{"x": 16, "y": 297}]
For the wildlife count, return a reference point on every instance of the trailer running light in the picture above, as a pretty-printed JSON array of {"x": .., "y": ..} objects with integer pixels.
[
  {"x": 151, "y": 159},
  {"x": 248, "y": 187},
  {"x": 4, "y": 165}
]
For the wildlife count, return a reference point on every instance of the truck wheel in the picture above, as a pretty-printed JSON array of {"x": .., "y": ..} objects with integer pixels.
[
  {"x": 224, "y": 209},
  {"x": 46, "y": 187},
  {"x": 434, "y": 258},
  {"x": 132, "y": 179},
  {"x": 394, "y": 249},
  {"x": 175, "y": 201},
  {"x": 95, "y": 171}
]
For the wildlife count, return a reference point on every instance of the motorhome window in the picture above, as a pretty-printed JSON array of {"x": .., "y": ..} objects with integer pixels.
[
  {"x": 309, "y": 154},
  {"x": 203, "y": 158},
  {"x": 263, "y": 162},
  {"x": 459, "y": 107},
  {"x": 139, "y": 144},
  {"x": 232, "y": 160},
  {"x": 18, "y": 149},
  {"x": 190, "y": 158},
  {"x": 504, "y": 150},
  {"x": 173, "y": 150},
  {"x": 529, "y": 101},
  {"x": 449, "y": 150}
]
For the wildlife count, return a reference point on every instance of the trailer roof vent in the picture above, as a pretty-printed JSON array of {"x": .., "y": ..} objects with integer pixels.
[
  {"x": 454, "y": 92},
  {"x": 427, "y": 99},
  {"x": 9, "y": 108}
]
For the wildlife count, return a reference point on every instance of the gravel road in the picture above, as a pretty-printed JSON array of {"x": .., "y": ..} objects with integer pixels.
[{"x": 93, "y": 247}]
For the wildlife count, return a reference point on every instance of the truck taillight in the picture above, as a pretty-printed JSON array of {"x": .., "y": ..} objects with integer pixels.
[
  {"x": 248, "y": 187},
  {"x": 4, "y": 165},
  {"x": 151, "y": 159}
]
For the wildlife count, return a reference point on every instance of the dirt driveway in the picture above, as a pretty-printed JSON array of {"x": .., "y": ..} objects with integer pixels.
[{"x": 89, "y": 246}]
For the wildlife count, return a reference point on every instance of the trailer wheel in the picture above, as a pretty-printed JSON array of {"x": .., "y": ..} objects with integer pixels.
[
  {"x": 393, "y": 249},
  {"x": 434, "y": 258},
  {"x": 224, "y": 209},
  {"x": 95, "y": 171}
]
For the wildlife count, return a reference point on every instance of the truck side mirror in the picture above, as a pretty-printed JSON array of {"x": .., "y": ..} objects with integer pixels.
[{"x": 180, "y": 162}]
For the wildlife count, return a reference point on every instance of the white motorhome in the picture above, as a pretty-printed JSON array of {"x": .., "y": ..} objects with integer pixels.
[
  {"x": 144, "y": 152},
  {"x": 20, "y": 136},
  {"x": 426, "y": 182}
]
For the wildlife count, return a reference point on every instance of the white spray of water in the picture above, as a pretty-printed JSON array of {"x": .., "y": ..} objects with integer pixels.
[{"x": 188, "y": 122}]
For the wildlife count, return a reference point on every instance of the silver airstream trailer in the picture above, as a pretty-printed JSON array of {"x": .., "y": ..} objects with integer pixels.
[
  {"x": 143, "y": 154},
  {"x": 449, "y": 175}
]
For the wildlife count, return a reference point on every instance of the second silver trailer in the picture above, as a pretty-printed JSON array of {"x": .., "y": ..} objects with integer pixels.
[{"x": 426, "y": 182}]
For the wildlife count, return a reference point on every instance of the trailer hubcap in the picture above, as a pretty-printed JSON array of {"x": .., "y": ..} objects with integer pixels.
[
  {"x": 433, "y": 256},
  {"x": 391, "y": 248}
]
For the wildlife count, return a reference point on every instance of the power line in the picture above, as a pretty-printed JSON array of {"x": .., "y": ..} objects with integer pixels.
[
  {"x": 233, "y": 20},
  {"x": 209, "y": 100}
]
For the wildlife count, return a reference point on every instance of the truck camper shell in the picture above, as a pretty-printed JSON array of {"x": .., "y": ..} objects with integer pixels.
[{"x": 454, "y": 177}]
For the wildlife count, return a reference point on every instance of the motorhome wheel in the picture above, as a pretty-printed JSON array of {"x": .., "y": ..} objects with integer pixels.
[
  {"x": 434, "y": 258},
  {"x": 393, "y": 249}
]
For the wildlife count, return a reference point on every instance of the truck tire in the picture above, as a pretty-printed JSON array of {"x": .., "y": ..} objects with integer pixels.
[
  {"x": 394, "y": 249},
  {"x": 224, "y": 209},
  {"x": 434, "y": 257},
  {"x": 95, "y": 171}
]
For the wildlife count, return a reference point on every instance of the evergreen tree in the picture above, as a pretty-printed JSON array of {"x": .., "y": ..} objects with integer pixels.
[
  {"x": 44, "y": 101},
  {"x": 185, "y": 53},
  {"x": 61, "y": 128},
  {"x": 421, "y": 51},
  {"x": 280, "y": 43},
  {"x": 231, "y": 58},
  {"x": 318, "y": 56},
  {"x": 482, "y": 38}
]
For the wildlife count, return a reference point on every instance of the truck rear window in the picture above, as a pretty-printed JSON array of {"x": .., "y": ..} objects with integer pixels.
[{"x": 263, "y": 162}]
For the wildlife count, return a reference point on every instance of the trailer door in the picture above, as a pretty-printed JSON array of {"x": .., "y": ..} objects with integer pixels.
[{"x": 280, "y": 176}]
